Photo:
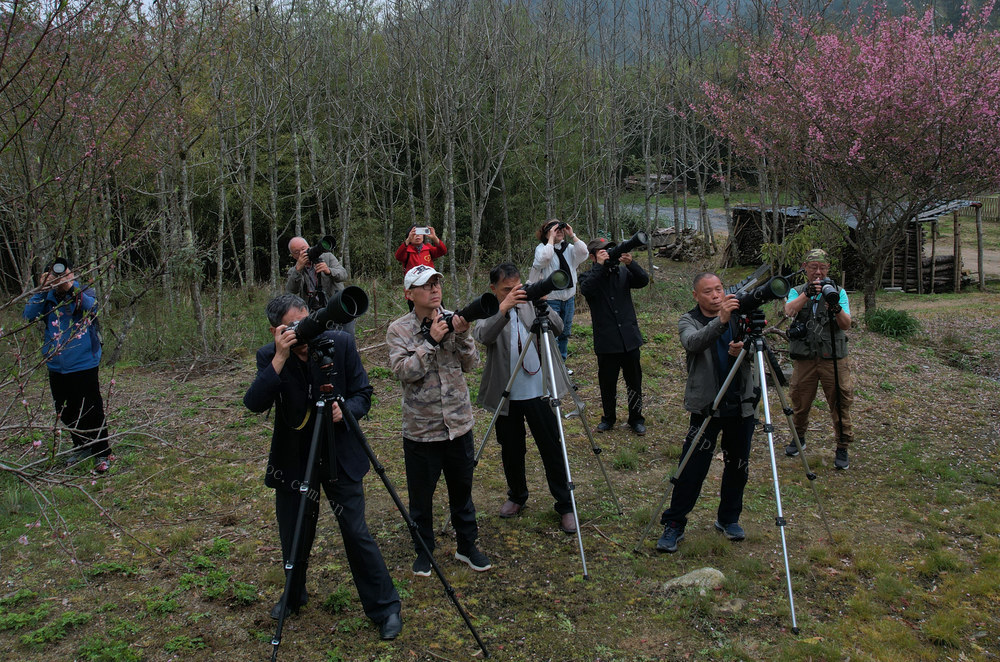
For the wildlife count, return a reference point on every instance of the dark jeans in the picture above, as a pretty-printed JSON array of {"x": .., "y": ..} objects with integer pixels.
[
  {"x": 511, "y": 435},
  {"x": 78, "y": 401},
  {"x": 565, "y": 309},
  {"x": 425, "y": 462},
  {"x": 736, "y": 435},
  {"x": 347, "y": 498},
  {"x": 608, "y": 367}
]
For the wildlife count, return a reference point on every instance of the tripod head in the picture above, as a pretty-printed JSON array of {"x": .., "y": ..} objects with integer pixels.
[
  {"x": 750, "y": 325},
  {"x": 322, "y": 351}
]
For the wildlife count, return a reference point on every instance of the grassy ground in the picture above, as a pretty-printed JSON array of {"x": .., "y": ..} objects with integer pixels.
[{"x": 174, "y": 554}]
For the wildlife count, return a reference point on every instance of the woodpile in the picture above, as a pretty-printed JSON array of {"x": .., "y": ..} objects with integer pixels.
[
  {"x": 689, "y": 247},
  {"x": 895, "y": 275}
]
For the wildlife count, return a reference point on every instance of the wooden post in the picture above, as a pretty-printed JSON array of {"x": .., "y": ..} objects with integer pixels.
[
  {"x": 918, "y": 237},
  {"x": 958, "y": 253},
  {"x": 979, "y": 245},
  {"x": 934, "y": 233},
  {"x": 892, "y": 267},
  {"x": 906, "y": 257}
]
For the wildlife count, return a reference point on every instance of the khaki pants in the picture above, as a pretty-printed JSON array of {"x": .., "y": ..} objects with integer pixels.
[{"x": 806, "y": 374}]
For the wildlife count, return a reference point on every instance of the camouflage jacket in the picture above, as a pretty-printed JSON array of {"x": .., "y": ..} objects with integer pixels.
[{"x": 436, "y": 405}]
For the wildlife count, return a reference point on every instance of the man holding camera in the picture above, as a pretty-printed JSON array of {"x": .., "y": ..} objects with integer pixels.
[
  {"x": 819, "y": 355},
  {"x": 291, "y": 382},
  {"x": 608, "y": 286},
  {"x": 430, "y": 350},
  {"x": 72, "y": 347},
  {"x": 315, "y": 280},
  {"x": 505, "y": 335},
  {"x": 560, "y": 249},
  {"x": 709, "y": 338}
]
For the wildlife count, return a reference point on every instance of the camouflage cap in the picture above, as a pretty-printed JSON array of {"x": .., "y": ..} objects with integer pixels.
[{"x": 816, "y": 255}]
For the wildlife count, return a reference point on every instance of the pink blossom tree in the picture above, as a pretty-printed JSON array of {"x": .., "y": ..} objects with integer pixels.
[{"x": 881, "y": 121}]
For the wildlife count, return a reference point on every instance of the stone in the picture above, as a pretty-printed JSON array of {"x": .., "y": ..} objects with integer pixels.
[{"x": 702, "y": 578}]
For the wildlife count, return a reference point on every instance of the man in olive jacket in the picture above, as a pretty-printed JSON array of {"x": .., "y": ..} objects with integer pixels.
[
  {"x": 708, "y": 334},
  {"x": 505, "y": 335}
]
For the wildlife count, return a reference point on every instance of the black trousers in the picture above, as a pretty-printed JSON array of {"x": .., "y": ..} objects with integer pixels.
[
  {"x": 347, "y": 498},
  {"x": 737, "y": 432},
  {"x": 425, "y": 462},
  {"x": 544, "y": 428},
  {"x": 78, "y": 401},
  {"x": 608, "y": 367}
]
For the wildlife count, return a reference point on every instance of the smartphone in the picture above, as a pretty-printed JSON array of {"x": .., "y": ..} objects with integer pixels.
[{"x": 421, "y": 230}]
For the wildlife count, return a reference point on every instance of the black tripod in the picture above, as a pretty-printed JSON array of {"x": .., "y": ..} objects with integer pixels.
[
  {"x": 752, "y": 326},
  {"x": 540, "y": 335},
  {"x": 322, "y": 352}
]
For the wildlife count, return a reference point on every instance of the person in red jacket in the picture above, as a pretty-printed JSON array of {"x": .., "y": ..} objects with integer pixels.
[{"x": 420, "y": 248}]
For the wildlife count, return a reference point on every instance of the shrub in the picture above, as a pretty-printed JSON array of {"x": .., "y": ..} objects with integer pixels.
[{"x": 892, "y": 323}]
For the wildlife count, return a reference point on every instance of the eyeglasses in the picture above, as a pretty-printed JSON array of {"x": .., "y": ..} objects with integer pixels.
[{"x": 427, "y": 287}]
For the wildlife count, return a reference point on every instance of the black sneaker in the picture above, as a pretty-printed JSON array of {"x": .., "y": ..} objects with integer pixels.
[
  {"x": 732, "y": 531},
  {"x": 474, "y": 559},
  {"x": 791, "y": 450},
  {"x": 841, "y": 461},
  {"x": 668, "y": 541},
  {"x": 422, "y": 565}
]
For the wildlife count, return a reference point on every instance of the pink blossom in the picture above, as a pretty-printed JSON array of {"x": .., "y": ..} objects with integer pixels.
[{"x": 23, "y": 540}]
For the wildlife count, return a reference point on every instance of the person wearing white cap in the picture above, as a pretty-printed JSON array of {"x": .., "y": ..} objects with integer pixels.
[{"x": 430, "y": 350}]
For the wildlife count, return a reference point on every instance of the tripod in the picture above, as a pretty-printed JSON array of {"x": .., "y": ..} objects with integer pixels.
[
  {"x": 322, "y": 351},
  {"x": 753, "y": 325},
  {"x": 540, "y": 336}
]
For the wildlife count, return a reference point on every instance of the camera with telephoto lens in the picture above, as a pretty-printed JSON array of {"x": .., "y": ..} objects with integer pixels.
[
  {"x": 325, "y": 245},
  {"x": 829, "y": 291},
  {"x": 751, "y": 297},
  {"x": 344, "y": 306},
  {"x": 615, "y": 253},
  {"x": 478, "y": 309},
  {"x": 59, "y": 266},
  {"x": 557, "y": 280}
]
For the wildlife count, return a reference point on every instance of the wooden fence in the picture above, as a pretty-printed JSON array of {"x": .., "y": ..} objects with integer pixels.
[{"x": 991, "y": 208}]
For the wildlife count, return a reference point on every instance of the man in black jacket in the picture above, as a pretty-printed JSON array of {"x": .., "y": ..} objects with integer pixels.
[
  {"x": 288, "y": 380},
  {"x": 608, "y": 290}
]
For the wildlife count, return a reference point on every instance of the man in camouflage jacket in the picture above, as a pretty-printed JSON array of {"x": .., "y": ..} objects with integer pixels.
[{"x": 430, "y": 351}]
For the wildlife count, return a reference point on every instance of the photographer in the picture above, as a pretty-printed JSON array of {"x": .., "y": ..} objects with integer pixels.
[
  {"x": 608, "y": 290},
  {"x": 421, "y": 247},
  {"x": 708, "y": 334},
  {"x": 560, "y": 248},
  {"x": 430, "y": 360},
  {"x": 505, "y": 334},
  {"x": 291, "y": 382},
  {"x": 813, "y": 354},
  {"x": 72, "y": 348},
  {"x": 315, "y": 283}
]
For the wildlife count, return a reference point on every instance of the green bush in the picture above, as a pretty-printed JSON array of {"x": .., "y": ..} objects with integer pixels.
[{"x": 892, "y": 323}]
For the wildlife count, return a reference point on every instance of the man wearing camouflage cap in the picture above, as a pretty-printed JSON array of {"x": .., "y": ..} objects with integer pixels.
[
  {"x": 429, "y": 353},
  {"x": 819, "y": 357}
]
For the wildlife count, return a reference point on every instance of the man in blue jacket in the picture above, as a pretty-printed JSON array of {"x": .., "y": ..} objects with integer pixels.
[
  {"x": 291, "y": 382},
  {"x": 72, "y": 349}
]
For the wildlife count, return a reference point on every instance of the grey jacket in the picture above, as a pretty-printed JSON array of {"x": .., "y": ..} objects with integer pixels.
[
  {"x": 698, "y": 336},
  {"x": 303, "y": 282},
  {"x": 493, "y": 333}
]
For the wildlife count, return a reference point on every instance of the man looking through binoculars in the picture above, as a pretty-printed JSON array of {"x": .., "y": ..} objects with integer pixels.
[{"x": 819, "y": 356}]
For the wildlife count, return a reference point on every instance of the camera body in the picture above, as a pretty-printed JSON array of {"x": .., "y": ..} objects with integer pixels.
[
  {"x": 324, "y": 245},
  {"x": 798, "y": 331},
  {"x": 826, "y": 289}
]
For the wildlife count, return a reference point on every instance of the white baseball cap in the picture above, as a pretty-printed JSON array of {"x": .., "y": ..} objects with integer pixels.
[{"x": 419, "y": 275}]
